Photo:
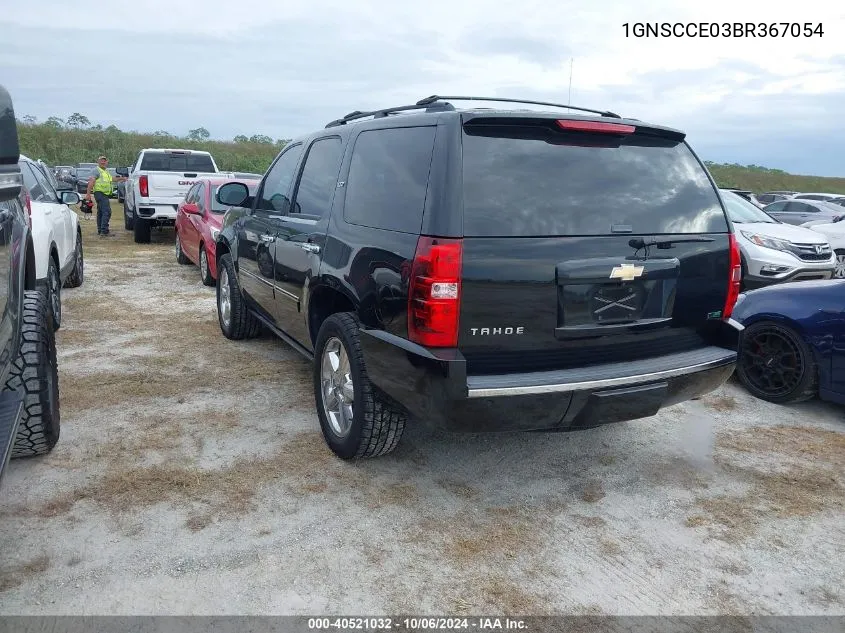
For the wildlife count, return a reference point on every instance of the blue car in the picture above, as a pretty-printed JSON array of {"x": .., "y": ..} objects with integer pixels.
[{"x": 792, "y": 341}]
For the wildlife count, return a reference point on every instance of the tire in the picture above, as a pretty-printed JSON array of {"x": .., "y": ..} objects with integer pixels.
[
  {"x": 35, "y": 373},
  {"x": 77, "y": 275},
  {"x": 181, "y": 258},
  {"x": 128, "y": 218},
  {"x": 54, "y": 293},
  {"x": 760, "y": 359},
  {"x": 142, "y": 231},
  {"x": 241, "y": 322},
  {"x": 205, "y": 270},
  {"x": 377, "y": 421},
  {"x": 839, "y": 271}
]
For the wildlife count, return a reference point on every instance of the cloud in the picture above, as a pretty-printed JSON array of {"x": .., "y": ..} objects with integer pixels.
[{"x": 286, "y": 68}]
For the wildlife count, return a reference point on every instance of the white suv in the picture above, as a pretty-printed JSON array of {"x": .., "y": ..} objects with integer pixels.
[{"x": 56, "y": 235}]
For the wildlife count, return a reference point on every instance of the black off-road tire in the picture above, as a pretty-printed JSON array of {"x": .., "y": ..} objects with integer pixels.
[
  {"x": 378, "y": 422},
  {"x": 181, "y": 258},
  {"x": 805, "y": 389},
  {"x": 128, "y": 218},
  {"x": 35, "y": 373},
  {"x": 205, "y": 275},
  {"x": 242, "y": 323},
  {"x": 77, "y": 275},
  {"x": 141, "y": 229},
  {"x": 53, "y": 283}
]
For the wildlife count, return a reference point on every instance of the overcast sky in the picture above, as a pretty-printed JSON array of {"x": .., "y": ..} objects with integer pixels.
[{"x": 284, "y": 68}]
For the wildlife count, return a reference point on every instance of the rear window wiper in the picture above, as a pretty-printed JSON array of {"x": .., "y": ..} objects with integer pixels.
[{"x": 665, "y": 242}]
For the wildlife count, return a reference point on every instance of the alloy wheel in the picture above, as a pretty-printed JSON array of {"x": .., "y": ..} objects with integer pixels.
[{"x": 337, "y": 388}]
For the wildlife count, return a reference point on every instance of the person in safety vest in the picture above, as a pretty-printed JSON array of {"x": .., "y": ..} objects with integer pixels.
[{"x": 100, "y": 183}]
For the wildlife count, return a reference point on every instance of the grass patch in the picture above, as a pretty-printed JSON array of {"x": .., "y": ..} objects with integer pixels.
[
  {"x": 593, "y": 492},
  {"x": 17, "y": 575},
  {"x": 790, "y": 441},
  {"x": 722, "y": 403},
  {"x": 807, "y": 483},
  {"x": 224, "y": 492}
]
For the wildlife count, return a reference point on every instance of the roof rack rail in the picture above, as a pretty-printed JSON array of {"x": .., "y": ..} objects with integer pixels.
[
  {"x": 357, "y": 114},
  {"x": 435, "y": 98}
]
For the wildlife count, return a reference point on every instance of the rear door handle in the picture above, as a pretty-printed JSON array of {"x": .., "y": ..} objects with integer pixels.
[{"x": 308, "y": 246}]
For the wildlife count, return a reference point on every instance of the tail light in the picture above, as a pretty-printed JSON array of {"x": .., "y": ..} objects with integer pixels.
[
  {"x": 434, "y": 292},
  {"x": 595, "y": 126},
  {"x": 143, "y": 186},
  {"x": 734, "y": 277}
]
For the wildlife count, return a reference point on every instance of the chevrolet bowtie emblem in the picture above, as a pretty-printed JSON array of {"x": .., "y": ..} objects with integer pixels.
[{"x": 626, "y": 272}]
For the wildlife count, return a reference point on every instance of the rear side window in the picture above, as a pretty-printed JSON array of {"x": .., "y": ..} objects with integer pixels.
[
  {"x": 163, "y": 161},
  {"x": 388, "y": 178},
  {"x": 534, "y": 180}
]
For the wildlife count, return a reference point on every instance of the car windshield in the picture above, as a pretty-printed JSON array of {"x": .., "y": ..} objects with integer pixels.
[
  {"x": 741, "y": 211},
  {"x": 216, "y": 207}
]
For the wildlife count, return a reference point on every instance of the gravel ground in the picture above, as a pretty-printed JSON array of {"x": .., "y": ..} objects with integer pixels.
[{"x": 191, "y": 478}]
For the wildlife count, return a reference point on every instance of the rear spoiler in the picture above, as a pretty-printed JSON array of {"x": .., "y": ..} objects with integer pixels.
[{"x": 573, "y": 123}]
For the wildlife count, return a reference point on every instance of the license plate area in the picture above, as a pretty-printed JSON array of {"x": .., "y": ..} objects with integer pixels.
[{"x": 590, "y": 303}]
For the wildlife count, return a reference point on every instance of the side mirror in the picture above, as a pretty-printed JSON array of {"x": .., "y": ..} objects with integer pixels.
[
  {"x": 190, "y": 208},
  {"x": 232, "y": 194},
  {"x": 69, "y": 197},
  {"x": 122, "y": 171},
  {"x": 11, "y": 178}
]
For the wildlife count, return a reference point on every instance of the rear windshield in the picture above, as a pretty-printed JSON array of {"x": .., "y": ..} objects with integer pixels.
[
  {"x": 160, "y": 161},
  {"x": 534, "y": 180}
]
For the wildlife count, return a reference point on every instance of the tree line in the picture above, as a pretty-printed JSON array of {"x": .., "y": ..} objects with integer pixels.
[{"x": 75, "y": 139}]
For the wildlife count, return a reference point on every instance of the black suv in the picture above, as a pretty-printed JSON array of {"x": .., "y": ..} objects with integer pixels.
[
  {"x": 29, "y": 400},
  {"x": 485, "y": 269}
]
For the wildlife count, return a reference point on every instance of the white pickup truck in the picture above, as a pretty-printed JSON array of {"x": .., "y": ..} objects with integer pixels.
[{"x": 158, "y": 182}]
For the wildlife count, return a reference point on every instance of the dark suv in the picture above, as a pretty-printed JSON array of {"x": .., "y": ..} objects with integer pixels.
[
  {"x": 485, "y": 270},
  {"x": 29, "y": 400}
]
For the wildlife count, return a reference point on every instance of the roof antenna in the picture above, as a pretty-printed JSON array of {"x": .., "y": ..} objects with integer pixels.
[{"x": 569, "y": 99}]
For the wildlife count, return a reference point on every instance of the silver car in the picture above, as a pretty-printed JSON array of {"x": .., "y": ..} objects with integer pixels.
[{"x": 774, "y": 252}]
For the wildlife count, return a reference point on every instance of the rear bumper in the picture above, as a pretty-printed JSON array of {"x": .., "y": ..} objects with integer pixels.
[
  {"x": 752, "y": 282},
  {"x": 434, "y": 387},
  {"x": 163, "y": 213}
]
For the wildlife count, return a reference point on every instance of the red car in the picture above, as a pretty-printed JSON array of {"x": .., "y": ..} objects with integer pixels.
[{"x": 198, "y": 221}]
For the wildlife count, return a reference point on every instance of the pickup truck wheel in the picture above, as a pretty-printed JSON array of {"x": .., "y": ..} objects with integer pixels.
[
  {"x": 128, "y": 217},
  {"x": 205, "y": 271},
  {"x": 77, "y": 275},
  {"x": 236, "y": 321},
  {"x": 54, "y": 293},
  {"x": 142, "y": 231},
  {"x": 357, "y": 420},
  {"x": 35, "y": 373},
  {"x": 181, "y": 258}
]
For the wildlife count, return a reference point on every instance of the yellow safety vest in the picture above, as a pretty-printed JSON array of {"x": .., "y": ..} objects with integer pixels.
[{"x": 103, "y": 182}]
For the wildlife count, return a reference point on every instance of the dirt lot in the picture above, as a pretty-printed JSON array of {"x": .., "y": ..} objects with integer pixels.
[{"x": 191, "y": 478}]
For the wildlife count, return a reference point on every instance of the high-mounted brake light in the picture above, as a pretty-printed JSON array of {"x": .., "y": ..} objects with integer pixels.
[
  {"x": 734, "y": 277},
  {"x": 595, "y": 126},
  {"x": 143, "y": 186},
  {"x": 434, "y": 292}
]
